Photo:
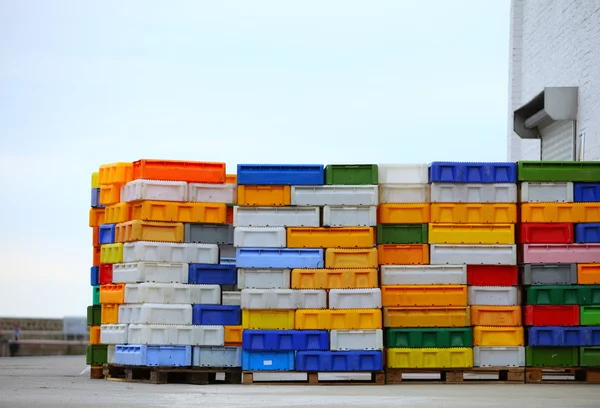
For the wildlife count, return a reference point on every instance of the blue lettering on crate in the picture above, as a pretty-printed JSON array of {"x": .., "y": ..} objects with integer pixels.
[
  {"x": 106, "y": 234},
  {"x": 586, "y": 192},
  {"x": 279, "y": 258},
  {"x": 557, "y": 336},
  {"x": 216, "y": 315},
  {"x": 281, "y": 174},
  {"x": 96, "y": 198},
  {"x": 285, "y": 340},
  {"x": 456, "y": 172},
  {"x": 338, "y": 361},
  {"x": 94, "y": 271},
  {"x": 587, "y": 233},
  {"x": 209, "y": 274},
  {"x": 268, "y": 360}
]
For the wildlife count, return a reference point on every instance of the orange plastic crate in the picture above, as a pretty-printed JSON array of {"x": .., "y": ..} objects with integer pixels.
[
  {"x": 424, "y": 295},
  {"x": 94, "y": 334},
  {"x": 229, "y": 215},
  {"x": 117, "y": 213},
  {"x": 346, "y": 258},
  {"x": 397, "y": 254},
  {"x": 233, "y": 335},
  {"x": 110, "y": 194},
  {"x": 213, "y": 213},
  {"x": 231, "y": 179},
  {"x": 174, "y": 170},
  {"x": 496, "y": 316},
  {"x": 112, "y": 293},
  {"x": 334, "y": 278},
  {"x": 115, "y": 173},
  {"x": 451, "y": 316},
  {"x": 588, "y": 274},
  {"x": 109, "y": 313},
  {"x": 97, "y": 217},
  {"x": 149, "y": 231},
  {"x": 264, "y": 195},
  {"x": 498, "y": 336},
  {"x": 339, "y": 237},
  {"x": 96, "y": 255},
  {"x": 404, "y": 213},
  {"x": 95, "y": 236}
]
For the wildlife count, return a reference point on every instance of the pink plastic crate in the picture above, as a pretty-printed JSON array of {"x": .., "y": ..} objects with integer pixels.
[{"x": 561, "y": 253}]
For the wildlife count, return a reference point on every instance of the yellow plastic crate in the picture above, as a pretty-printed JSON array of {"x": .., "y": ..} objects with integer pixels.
[
  {"x": 94, "y": 334},
  {"x": 498, "y": 336},
  {"x": 109, "y": 314},
  {"x": 272, "y": 319},
  {"x": 115, "y": 173},
  {"x": 213, "y": 213},
  {"x": 473, "y": 213},
  {"x": 458, "y": 357},
  {"x": 560, "y": 212},
  {"x": 342, "y": 237},
  {"x": 404, "y": 213},
  {"x": 339, "y": 319},
  {"x": 149, "y": 231},
  {"x": 344, "y": 258},
  {"x": 112, "y": 293},
  {"x": 471, "y": 233},
  {"x": 450, "y": 316},
  {"x": 110, "y": 194},
  {"x": 424, "y": 295},
  {"x": 269, "y": 196},
  {"x": 334, "y": 278},
  {"x": 111, "y": 253},
  {"x": 231, "y": 179},
  {"x": 117, "y": 213},
  {"x": 95, "y": 180},
  {"x": 97, "y": 217}
]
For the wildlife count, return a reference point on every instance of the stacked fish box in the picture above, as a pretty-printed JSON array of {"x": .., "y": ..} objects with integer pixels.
[
  {"x": 560, "y": 237},
  {"x": 159, "y": 268},
  {"x": 425, "y": 305},
  {"x": 307, "y": 265},
  {"x": 473, "y": 217}
]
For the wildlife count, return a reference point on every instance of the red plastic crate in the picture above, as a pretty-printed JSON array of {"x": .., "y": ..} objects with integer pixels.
[
  {"x": 105, "y": 274},
  {"x": 549, "y": 315},
  {"x": 493, "y": 275},
  {"x": 551, "y": 233}
]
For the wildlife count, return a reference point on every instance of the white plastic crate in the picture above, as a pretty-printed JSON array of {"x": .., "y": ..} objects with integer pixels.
[
  {"x": 355, "y": 298},
  {"x": 150, "y": 272},
  {"x": 259, "y": 237},
  {"x": 494, "y": 296},
  {"x": 231, "y": 298},
  {"x": 391, "y": 173},
  {"x": 212, "y": 193},
  {"x": 404, "y": 193},
  {"x": 473, "y": 193},
  {"x": 156, "y": 190},
  {"x": 356, "y": 339},
  {"x": 423, "y": 274},
  {"x": 440, "y": 254},
  {"x": 155, "y": 313},
  {"x": 181, "y": 335},
  {"x": 226, "y": 356},
  {"x": 113, "y": 334},
  {"x": 276, "y": 216},
  {"x": 110, "y": 354},
  {"x": 499, "y": 356},
  {"x": 170, "y": 252},
  {"x": 338, "y": 216},
  {"x": 558, "y": 191},
  {"x": 263, "y": 278},
  {"x": 335, "y": 195},
  {"x": 283, "y": 299},
  {"x": 172, "y": 293}
]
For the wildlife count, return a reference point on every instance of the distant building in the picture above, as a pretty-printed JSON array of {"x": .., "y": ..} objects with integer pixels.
[{"x": 554, "y": 80}]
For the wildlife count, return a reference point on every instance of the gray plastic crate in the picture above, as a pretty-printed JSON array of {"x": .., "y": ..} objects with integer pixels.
[
  {"x": 208, "y": 233},
  {"x": 224, "y": 356},
  {"x": 549, "y": 274}
]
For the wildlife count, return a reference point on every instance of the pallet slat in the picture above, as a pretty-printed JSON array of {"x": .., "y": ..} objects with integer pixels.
[
  {"x": 167, "y": 375},
  {"x": 561, "y": 375},
  {"x": 506, "y": 375},
  {"x": 312, "y": 378}
]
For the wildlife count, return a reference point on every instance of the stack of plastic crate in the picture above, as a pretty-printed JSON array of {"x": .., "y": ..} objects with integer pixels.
[
  {"x": 157, "y": 309},
  {"x": 425, "y": 306},
  {"x": 560, "y": 234},
  {"x": 285, "y": 243}
]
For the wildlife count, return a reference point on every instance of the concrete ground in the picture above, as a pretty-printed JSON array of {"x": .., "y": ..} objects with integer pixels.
[{"x": 53, "y": 382}]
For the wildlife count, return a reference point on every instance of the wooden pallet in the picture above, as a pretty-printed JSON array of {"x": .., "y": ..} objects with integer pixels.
[
  {"x": 561, "y": 375},
  {"x": 96, "y": 372},
  {"x": 312, "y": 378},
  {"x": 164, "y": 375},
  {"x": 503, "y": 375}
]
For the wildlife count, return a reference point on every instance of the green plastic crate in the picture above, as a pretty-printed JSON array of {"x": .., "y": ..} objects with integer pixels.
[
  {"x": 96, "y": 354},
  {"x": 440, "y": 337},
  {"x": 402, "y": 233},
  {"x": 558, "y": 171},
  {"x": 589, "y": 295},
  {"x": 553, "y": 295},
  {"x": 95, "y": 295},
  {"x": 589, "y": 356},
  {"x": 94, "y": 315},
  {"x": 351, "y": 174},
  {"x": 552, "y": 356},
  {"x": 590, "y": 315}
]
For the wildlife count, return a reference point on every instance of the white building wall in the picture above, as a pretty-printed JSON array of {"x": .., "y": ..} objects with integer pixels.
[{"x": 555, "y": 43}]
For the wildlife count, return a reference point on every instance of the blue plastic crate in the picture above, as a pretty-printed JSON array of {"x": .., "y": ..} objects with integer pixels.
[
  {"x": 227, "y": 261},
  {"x": 268, "y": 360},
  {"x": 556, "y": 336},
  {"x": 279, "y": 258},
  {"x": 285, "y": 340},
  {"x": 590, "y": 335},
  {"x": 217, "y": 315},
  {"x": 281, "y": 174},
  {"x": 96, "y": 199},
  {"x": 208, "y": 274},
  {"x": 106, "y": 234},
  {"x": 94, "y": 271},
  {"x": 456, "y": 172},
  {"x": 130, "y": 354},
  {"x": 587, "y": 233},
  {"x": 586, "y": 192},
  {"x": 338, "y": 361},
  {"x": 169, "y": 356}
]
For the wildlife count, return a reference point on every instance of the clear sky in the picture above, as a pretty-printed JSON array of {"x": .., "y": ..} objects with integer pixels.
[{"x": 402, "y": 81}]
